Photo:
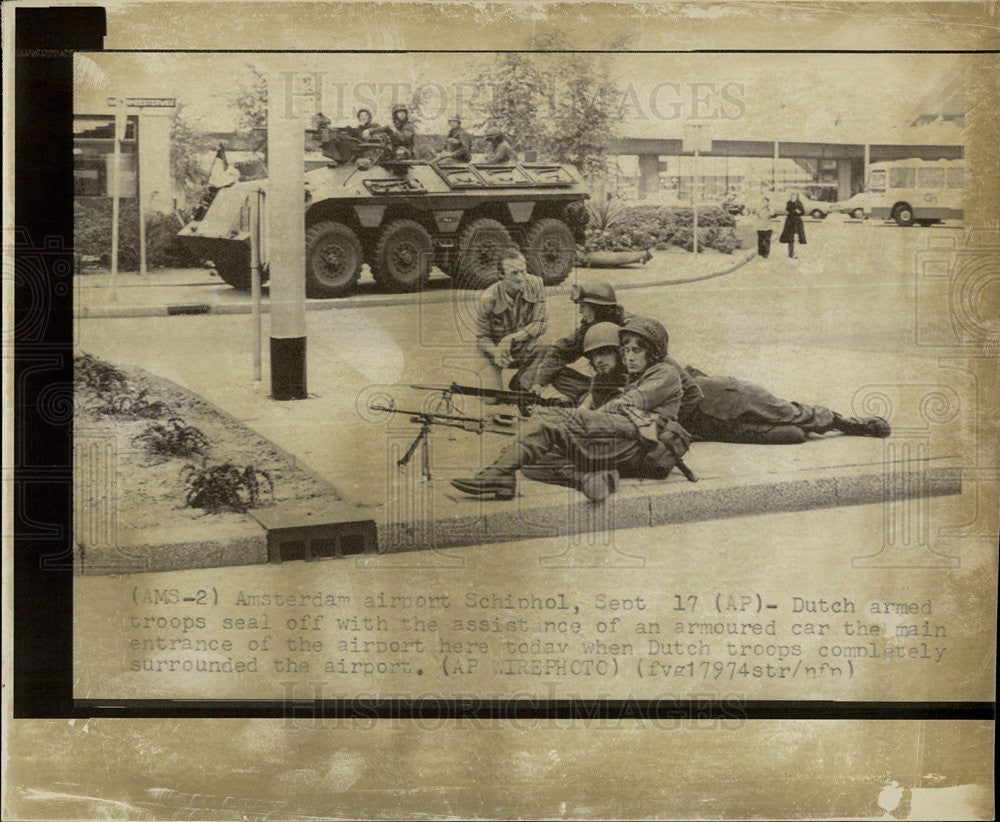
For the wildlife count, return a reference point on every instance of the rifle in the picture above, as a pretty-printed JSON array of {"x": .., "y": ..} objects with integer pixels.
[
  {"x": 427, "y": 421},
  {"x": 524, "y": 400}
]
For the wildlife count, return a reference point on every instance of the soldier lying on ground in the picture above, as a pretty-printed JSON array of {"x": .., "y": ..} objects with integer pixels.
[
  {"x": 551, "y": 374},
  {"x": 635, "y": 432},
  {"x": 735, "y": 410}
]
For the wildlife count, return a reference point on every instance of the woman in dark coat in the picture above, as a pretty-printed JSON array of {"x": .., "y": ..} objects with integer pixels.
[{"x": 793, "y": 224}]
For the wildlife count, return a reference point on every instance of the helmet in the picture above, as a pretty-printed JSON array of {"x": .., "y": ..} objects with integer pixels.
[
  {"x": 494, "y": 134},
  {"x": 454, "y": 118},
  {"x": 400, "y": 107},
  {"x": 367, "y": 111},
  {"x": 600, "y": 335},
  {"x": 596, "y": 293},
  {"x": 651, "y": 331}
]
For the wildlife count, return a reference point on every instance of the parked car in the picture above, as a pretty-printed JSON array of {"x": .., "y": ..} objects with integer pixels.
[
  {"x": 818, "y": 209},
  {"x": 859, "y": 206}
]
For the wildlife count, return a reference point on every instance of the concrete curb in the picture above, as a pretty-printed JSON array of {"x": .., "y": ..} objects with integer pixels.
[{"x": 673, "y": 501}]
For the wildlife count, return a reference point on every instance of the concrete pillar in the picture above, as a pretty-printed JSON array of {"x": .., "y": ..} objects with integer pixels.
[
  {"x": 844, "y": 179},
  {"x": 286, "y": 242},
  {"x": 649, "y": 173},
  {"x": 156, "y": 183}
]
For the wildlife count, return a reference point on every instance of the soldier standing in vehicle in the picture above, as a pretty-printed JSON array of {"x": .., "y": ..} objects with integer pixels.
[
  {"x": 365, "y": 127},
  {"x": 510, "y": 317},
  {"x": 499, "y": 149},
  {"x": 619, "y": 436},
  {"x": 458, "y": 143},
  {"x": 552, "y": 375},
  {"x": 401, "y": 133}
]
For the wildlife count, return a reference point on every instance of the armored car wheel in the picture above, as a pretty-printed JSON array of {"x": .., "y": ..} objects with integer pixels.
[
  {"x": 550, "y": 250},
  {"x": 232, "y": 263},
  {"x": 333, "y": 260},
  {"x": 479, "y": 247},
  {"x": 403, "y": 256}
]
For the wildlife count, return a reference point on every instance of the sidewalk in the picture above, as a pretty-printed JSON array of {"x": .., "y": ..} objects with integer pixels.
[{"x": 169, "y": 292}]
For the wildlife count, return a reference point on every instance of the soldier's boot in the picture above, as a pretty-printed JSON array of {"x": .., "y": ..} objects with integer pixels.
[
  {"x": 862, "y": 426},
  {"x": 597, "y": 486},
  {"x": 499, "y": 479}
]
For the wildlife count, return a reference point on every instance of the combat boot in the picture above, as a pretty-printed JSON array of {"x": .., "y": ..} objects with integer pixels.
[
  {"x": 597, "y": 486},
  {"x": 862, "y": 427},
  {"x": 492, "y": 481}
]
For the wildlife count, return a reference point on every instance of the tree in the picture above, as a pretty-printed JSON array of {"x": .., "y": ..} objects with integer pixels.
[
  {"x": 514, "y": 88},
  {"x": 250, "y": 100},
  {"x": 185, "y": 141},
  {"x": 564, "y": 106}
]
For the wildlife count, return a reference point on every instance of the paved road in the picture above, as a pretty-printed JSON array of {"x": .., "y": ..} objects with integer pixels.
[{"x": 817, "y": 328}]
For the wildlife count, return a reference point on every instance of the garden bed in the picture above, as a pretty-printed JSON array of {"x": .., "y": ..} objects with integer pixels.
[{"x": 130, "y": 503}]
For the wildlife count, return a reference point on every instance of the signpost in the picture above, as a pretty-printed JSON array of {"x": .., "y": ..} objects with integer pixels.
[
  {"x": 697, "y": 138},
  {"x": 121, "y": 111}
]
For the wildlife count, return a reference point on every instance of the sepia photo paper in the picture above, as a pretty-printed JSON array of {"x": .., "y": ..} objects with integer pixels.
[{"x": 503, "y": 410}]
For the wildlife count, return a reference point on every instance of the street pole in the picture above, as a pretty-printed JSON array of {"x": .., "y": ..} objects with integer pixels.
[
  {"x": 255, "y": 211},
  {"x": 694, "y": 200},
  {"x": 139, "y": 195},
  {"x": 286, "y": 244},
  {"x": 120, "y": 123}
]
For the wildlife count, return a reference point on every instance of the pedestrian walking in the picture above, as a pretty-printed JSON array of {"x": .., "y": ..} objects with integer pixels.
[
  {"x": 760, "y": 218},
  {"x": 794, "y": 226}
]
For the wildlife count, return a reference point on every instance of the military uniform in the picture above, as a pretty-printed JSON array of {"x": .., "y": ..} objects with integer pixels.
[
  {"x": 587, "y": 449},
  {"x": 463, "y": 153},
  {"x": 735, "y": 410},
  {"x": 500, "y": 152},
  {"x": 501, "y": 314}
]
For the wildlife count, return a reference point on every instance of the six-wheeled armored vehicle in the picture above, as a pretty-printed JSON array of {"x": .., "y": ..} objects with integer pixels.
[{"x": 404, "y": 217}]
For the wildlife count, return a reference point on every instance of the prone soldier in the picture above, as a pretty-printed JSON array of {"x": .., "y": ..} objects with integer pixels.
[{"x": 735, "y": 410}]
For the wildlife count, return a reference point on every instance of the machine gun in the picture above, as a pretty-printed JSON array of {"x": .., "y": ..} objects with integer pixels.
[
  {"x": 427, "y": 420},
  {"x": 524, "y": 400}
]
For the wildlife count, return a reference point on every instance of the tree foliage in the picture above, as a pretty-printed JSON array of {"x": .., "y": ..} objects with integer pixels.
[
  {"x": 563, "y": 104},
  {"x": 250, "y": 101}
]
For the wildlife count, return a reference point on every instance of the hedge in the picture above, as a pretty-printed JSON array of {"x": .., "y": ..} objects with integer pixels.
[
  {"x": 92, "y": 235},
  {"x": 660, "y": 227}
]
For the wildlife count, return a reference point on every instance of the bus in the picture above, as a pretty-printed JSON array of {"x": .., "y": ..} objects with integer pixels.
[{"x": 916, "y": 191}]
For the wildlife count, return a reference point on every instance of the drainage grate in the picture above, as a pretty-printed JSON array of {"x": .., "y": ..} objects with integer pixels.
[{"x": 324, "y": 530}]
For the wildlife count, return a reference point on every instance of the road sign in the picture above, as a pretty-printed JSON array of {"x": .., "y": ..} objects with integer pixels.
[
  {"x": 145, "y": 102},
  {"x": 697, "y": 137}
]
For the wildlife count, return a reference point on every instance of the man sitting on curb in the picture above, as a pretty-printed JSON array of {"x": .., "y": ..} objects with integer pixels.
[
  {"x": 739, "y": 411},
  {"x": 618, "y": 436},
  {"x": 551, "y": 375},
  {"x": 510, "y": 317}
]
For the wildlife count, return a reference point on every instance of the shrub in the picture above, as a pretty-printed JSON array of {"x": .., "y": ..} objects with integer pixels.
[
  {"x": 92, "y": 235},
  {"x": 98, "y": 375},
  {"x": 225, "y": 487},
  {"x": 175, "y": 439},
  {"x": 642, "y": 227},
  {"x": 130, "y": 401}
]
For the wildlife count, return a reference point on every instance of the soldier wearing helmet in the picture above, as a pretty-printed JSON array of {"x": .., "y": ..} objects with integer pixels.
[
  {"x": 457, "y": 144},
  {"x": 401, "y": 133},
  {"x": 552, "y": 375},
  {"x": 500, "y": 151},
  {"x": 365, "y": 127},
  {"x": 588, "y": 448}
]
